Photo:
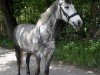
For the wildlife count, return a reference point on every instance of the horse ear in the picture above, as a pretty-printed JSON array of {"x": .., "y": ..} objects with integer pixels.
[{"x": 68, "y": 1}]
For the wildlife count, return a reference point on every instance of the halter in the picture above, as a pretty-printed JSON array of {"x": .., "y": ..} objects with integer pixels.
[{"x": 67, "y": 16}]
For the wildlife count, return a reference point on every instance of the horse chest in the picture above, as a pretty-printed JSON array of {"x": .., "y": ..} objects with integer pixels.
[{"x": 46, "y": 33}]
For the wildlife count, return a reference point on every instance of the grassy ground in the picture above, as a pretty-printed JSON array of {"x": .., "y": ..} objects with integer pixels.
[{"x": 78, "y": 52}]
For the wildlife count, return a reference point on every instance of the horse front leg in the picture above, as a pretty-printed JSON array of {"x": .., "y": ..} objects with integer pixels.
[
  {"x": 38, "y": 60},
  {"x": 27, "y": 63},
  {"x": 48, "y": 59}
]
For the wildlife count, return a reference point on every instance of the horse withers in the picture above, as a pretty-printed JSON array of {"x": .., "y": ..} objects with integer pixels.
[{"x": 40, "y": 39}]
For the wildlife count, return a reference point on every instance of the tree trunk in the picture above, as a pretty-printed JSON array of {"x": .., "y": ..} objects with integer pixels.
[{"x": 10, "y": 21}]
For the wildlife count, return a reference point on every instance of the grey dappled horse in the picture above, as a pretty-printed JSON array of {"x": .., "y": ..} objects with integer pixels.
[{"x": 40, "y": 39}]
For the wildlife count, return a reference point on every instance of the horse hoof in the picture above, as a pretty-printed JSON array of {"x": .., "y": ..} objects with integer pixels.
[
  {"x": 28, "y": 73},
  {"x": 18, "y": 74}
]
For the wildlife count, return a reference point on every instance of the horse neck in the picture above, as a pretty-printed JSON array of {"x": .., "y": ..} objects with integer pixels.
[
  {"x": 50, "y": 24},
  {"x": 52, "y": 21}
]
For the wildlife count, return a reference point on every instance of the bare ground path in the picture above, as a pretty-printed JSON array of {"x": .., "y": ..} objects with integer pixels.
[{"x": 8, "y": 66}]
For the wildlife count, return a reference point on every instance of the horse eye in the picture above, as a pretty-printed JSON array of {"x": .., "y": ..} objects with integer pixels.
[{"x": 67, "y": 7}]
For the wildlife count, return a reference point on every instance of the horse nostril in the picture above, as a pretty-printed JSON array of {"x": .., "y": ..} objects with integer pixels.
[
  {"x": 79, "y": 22},
  {"x": 74, "y": 23}
]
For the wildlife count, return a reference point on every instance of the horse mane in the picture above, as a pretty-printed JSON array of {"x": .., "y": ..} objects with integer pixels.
[{"x": 44, "y": 17}]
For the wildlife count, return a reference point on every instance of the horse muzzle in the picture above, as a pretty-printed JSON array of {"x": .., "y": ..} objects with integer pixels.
[{"x": 76, "y": 22}]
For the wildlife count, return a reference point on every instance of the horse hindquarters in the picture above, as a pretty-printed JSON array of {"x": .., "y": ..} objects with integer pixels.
[{"x": 18, "y": 56}]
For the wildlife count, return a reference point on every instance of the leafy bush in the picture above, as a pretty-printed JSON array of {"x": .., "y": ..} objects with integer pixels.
[
  {"x": 5, "y": 42},
  {"x": 79, "y": 52}
]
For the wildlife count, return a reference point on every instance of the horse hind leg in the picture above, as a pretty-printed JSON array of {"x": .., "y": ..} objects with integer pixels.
[
  {"x": 18, "y": 56},
  {"x": 48, "y": 59},
  {"x": 27, "y": 63}
]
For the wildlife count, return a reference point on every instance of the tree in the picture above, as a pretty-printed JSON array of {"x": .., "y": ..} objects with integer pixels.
[{"x": 9, "y": 18}]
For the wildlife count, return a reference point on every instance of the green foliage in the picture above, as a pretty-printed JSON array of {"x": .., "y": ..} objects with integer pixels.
[
  {"x": 79, "y": 52},
  {"x": 5, "y": 42},
  {"x": 30, "y": 10}
]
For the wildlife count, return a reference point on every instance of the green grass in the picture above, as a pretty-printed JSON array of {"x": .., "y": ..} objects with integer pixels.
[{"x": 79, "y": 52}]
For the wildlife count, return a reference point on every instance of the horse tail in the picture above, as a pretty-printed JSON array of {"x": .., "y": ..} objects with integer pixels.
[{"x": 14, "y": 24}]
